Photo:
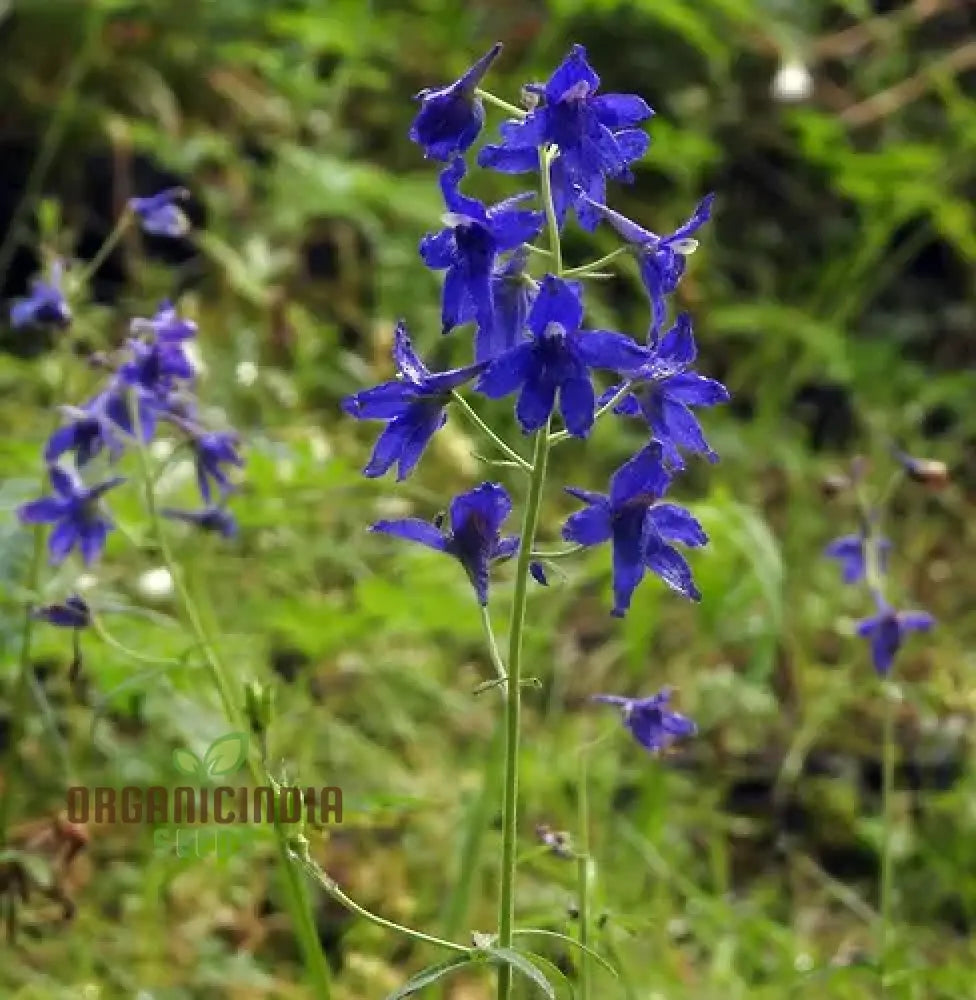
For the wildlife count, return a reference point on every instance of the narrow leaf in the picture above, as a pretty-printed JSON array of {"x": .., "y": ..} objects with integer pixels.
[
  {"x": 518, "y": 961},
  {"x": 539, "y": 932},
  {"x": 431, "y": 974}
]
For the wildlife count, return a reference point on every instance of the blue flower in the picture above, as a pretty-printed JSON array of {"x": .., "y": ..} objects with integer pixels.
[
  {"x": 167, "y": 326},
  {"x": 76, "y": 513},
  {"x": 650, "y": 721},
  {"x": 663, "y": 390},
  {"x": 73, "y": 613},
  {"x": 558, "y": 358},
  {"x": 211, "y": 518},
  {"x": 639, "y": 528},
  {"x": 467, "y": 248},
  {"x": 849, "y": 551},
  {"x": 887, "y": 630},
  {"x": 89, "y": 430},
  {"x": 473, "y": 534},
  {"x": 513, "y": 293},
  {"x": 594, "y": 135},
  {"x": 450, "y": 118},
  {"x": 211, "y": 451},
  {"x": 661, "y": 259},
  {"x": 46, "y": 304},
  {"x": 160, "y": 215},
  {"x": 413, "y": 406}
]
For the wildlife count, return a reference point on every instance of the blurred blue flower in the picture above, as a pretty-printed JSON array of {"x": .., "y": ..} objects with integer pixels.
[
  {"x": 75, "y": 511},
  {"x": 639, "y": 528},
  {"x": 652, "y": 723},
  {"x": 661, "y": 259},
  {"x": 211, "y": 451},
  {"x": 46, "y": 304},
  {"x": 450, "y": 118},
  {"x": 413, "y": 406},
  {"x": 850, "y": 552},
  {"x": 886, "y": 631},
  {"x": 211, "y": 518},
  {"x": 558, "y": 358},
  {"x": 467, "y": 248},
  {"x": 167, "y": 326},
  {"x": 594, "y": 136},
  {"x": 663, "y": 390},
  {"x": 160, "y": 215},
  {"x": 89, "y": 429},
  {"x": 73, "y": 613},
  {"x": 473, "y": 536}
]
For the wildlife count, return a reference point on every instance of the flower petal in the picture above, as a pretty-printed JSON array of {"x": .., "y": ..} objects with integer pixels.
[
  {"x": 381, "y": 402},
  {"x": 439, "y": 250},
  {"x": 42, "y": 511},
  {"x": 426, "y": 422},
  {"x": 675, "y": 524},
  {"x": 620, "y": 110},
  {"x": 608, "y": 349},
  {"x": 693, "y": 389},
  {"x": 559, "y": 302},
  {"x": 507, "y": 372},
  {"x": 536, "y": 400},
  {"x": 413, "y": 530},
  {"x": 62, "y": 540},
  {"x": 628, "y": 559},
  {"x": 589, "y": 526},
  {"x": 670, "y": 566},
  {"x": 488, "y": 505},
  {"x": 642, "y": 476},
  {"x": 577, "y": 403},
  {"x": 573, "y": 78}
]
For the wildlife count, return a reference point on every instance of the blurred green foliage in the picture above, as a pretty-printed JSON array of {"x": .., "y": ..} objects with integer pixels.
[{"x": 834, "y": 294}]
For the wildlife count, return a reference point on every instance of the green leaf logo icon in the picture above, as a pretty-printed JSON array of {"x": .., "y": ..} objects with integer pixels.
[
  {"x": 188, "y": 763},
  {"x": 225, "y": 755}
]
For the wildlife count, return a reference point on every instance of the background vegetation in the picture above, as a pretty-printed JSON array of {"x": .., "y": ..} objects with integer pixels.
[{"x": 834, "y": 294}]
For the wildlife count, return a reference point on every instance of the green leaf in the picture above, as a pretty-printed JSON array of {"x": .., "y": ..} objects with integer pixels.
[
  {"x": 225, "y": 756},
  {"x": 188, "y": 763},
  {"x": 431, "y": 974},
  {"x": 595, "y": 955},
  {"x": 518, "y": 961}
]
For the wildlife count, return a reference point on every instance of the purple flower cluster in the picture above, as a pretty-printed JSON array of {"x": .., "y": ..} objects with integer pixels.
[
  {"x": 151, "y": 383},
  {"x": 531, "y": 341}
]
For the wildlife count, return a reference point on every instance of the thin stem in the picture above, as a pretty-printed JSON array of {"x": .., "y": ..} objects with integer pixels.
[
  {"x": 21, "y": 691},
  {"x": 533, "y": 503},
  {"x": 583, "y": 863},
  {"x": 575, "y": 272},
  {"x": 545, "y": 158},
  {"x": 301, "y": 912},
  {"x": 496, "y": 656},
  {"x": 510, "y": 109},
  {"x": 606, "y": 408},
  {"x": 559, "y": 553},
  {"x": 330, "y": 886},
  {"x": 489, "y": 433},
  {"x": 85, "y": 275},
  {"x": 887, "y": 824}
]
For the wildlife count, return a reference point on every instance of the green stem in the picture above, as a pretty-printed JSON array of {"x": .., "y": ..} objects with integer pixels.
[
  {"x": 887, "y": 822},
  {"x": 315, "y": 961},
  {"x": 576, "y": 272},
  {"x": 104, "y": 250},
  {"x": 502, "y": 446},
  {"x": 18, "y": 716},
  {"x": 583, "y": 863},
  {"x": 545, "y": 159},
  {"x": 510, "y": 109},
  {"x": 332, "y": 888},
  {"x": 496, "y": 656}
]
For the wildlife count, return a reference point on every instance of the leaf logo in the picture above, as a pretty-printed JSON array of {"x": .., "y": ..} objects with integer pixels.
[{"x": 224, "y": 756}]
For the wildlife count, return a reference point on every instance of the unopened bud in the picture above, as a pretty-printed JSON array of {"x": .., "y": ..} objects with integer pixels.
[
  {"x": 929, "y": 471},
  {"x": 259, "y": 706}
]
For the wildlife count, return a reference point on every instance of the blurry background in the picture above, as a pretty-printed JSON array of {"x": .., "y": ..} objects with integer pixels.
[{"x": 834, "y": 293}]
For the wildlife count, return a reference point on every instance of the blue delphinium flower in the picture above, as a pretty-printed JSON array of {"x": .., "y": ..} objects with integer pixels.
[
  {"x": 211, "y": 518},
  {"x": 468, "y": 247},
  {"x": 75, "y": 512},
  {"x": 211, "y": 451},
  {"x": 413, "y": 406},
  {"x": 558, "y": 358},
  {"x": 661, "y": 259},
  {"x": 89, "y": 429},
  {"x": 513, "y": 293},
  {"x": 594, "y": 135},
  {"x": 46, "y": 305},
  {"x": 73, "y": 613},
  {"x": 663, "y": 390},
  {"x": 160, "y": 215},
  {"x": 639, "y": 528},
  {"x": 473, "y": 534},
  {"x": 652, "y": 723},
  {"x": 850, "y": 552},
  {"x": 167, "y": 326},
  {"x": 886, "y": 631},
  {"x": 450, "y": 118}
]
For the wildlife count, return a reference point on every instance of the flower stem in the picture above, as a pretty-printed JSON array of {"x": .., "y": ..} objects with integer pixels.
[
  {"x": 502, "y": 446},
  {"x": 583, "y": 863},
  {"x": 9, "y": 771},
  {"x": 315, "y": 961},
  {"x": 104, "y": 250},
  {"x": 496, "y": 656},
  {"x": 606, "y": 408},
  {"x": 887, "y": 824},
  {"x": 584, "y": 269},
  {"x": 510, "y": 109}
]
